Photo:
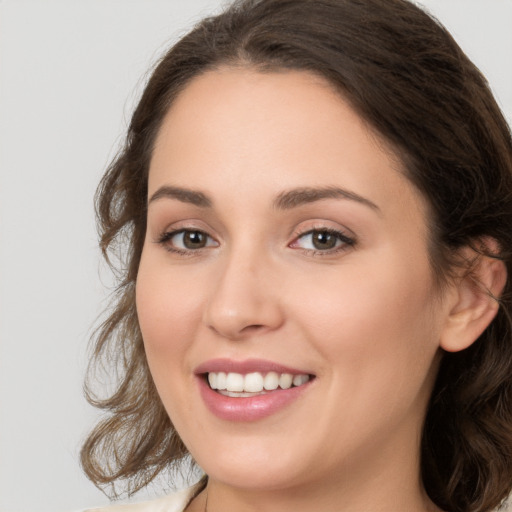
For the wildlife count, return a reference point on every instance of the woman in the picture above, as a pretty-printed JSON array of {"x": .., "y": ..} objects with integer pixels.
[{"x": 316, "y": 198}]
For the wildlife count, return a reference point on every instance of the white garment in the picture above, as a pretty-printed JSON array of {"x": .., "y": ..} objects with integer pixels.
[{"x": 175, "y": 502}]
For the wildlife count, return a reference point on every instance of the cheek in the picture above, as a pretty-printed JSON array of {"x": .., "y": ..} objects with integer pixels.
[
  {"x": 376, "y": 333},
  {"x": 374, "y": 317},
  {"x": 169, "y": 312}
]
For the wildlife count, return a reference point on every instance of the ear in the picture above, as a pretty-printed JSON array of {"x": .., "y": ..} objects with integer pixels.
[{"x": 473, "y": 303}]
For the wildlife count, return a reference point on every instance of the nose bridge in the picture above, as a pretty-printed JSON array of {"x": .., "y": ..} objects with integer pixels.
[{"x": 243, "y": 298}]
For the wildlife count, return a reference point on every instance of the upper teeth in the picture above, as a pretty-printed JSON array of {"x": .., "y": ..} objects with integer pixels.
[{"x": 254, "y": 382}]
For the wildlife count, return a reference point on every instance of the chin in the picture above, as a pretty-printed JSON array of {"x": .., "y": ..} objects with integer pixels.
[{"x": 253, "y": 466}]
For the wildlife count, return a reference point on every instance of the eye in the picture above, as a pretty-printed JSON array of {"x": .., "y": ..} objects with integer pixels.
[
  {"x": 185, "y": 240},
  {"x": 323, "y": 240}
]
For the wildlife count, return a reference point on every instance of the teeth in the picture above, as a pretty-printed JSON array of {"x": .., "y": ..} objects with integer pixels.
[
  {"x": 253, "y": 382},
  {"x": 298, "y": 380},
  {"x": 236, "y": 384},
  {"x": 285, "y": 381},
  {"x": 271, "y": 381},
  {"x": 221, "y": 380}
]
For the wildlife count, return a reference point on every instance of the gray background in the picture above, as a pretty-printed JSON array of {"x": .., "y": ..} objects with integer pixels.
[{"x": 70, "y": 71}]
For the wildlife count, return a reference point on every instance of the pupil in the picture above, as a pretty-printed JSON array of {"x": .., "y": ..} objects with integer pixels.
[
  {"x": 324, "y": 240},
  {"x": 194, "y": 240}
]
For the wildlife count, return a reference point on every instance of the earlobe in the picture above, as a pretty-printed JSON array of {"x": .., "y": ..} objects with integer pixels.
[{"x": 474, "y": 304}]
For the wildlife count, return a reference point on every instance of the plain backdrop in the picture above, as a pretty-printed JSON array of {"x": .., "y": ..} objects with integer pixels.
[{"x": 70, "y": 72}]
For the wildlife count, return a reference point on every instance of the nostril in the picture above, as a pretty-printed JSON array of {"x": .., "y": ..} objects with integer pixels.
[{"x": 254, "y": 327}]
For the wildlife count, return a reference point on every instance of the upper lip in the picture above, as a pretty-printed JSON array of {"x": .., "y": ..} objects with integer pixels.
[{"x": 246, "y": 366}]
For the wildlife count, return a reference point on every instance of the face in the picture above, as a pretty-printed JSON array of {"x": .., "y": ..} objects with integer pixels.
[{"x": 286, "y": 261}]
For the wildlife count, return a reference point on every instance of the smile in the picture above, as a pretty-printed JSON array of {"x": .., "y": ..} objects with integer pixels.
[
  {"x": 255, "y": 383},
  {"x": 250, "y": 390}
]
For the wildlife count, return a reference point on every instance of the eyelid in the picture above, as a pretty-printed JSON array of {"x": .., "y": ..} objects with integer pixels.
[
  {"x": 347, "y": 240},
  {"x": 165, "y": 237}
]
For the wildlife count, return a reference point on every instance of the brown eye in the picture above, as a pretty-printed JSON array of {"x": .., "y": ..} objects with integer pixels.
[
  {"x": 184, "y": 240},
  {"x": 323, "y": 240},
  {"x": 194, "y": 239}
]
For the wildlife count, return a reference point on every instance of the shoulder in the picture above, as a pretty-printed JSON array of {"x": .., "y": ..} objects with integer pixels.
[{"x": 175, "y": 502}]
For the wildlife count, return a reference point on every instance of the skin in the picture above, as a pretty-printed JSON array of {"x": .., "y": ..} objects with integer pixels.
[{"x": 366, "y": 320}]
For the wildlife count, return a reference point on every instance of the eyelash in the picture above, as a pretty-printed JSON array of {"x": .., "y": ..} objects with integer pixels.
[
  {"x": 346, "y": 241},
  {"x": 167, "y": 236}
]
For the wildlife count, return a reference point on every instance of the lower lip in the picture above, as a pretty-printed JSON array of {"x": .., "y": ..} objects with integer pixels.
[{"x": 249, "y": 408}]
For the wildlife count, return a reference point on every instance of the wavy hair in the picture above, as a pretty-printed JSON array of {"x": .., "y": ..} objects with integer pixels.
[{"x": 404, "y": 74}]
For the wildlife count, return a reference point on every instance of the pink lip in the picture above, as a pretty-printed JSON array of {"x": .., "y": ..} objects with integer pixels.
[
  {"x": 246, "y": 366},
  {"x": 248, "y": 408}
]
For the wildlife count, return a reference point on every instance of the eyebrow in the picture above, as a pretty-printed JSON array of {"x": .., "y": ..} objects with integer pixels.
[
  {"x": 184, "y": 195},
  {"x": 300, "y": 196},
  {"x": 284, "y": 201}
]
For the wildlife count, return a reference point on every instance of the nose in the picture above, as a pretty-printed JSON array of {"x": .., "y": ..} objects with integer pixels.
[{"x": 245, "y": 299}]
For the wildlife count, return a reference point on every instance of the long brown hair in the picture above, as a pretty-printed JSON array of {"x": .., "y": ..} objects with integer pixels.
[{"x": 405, "y": 75}]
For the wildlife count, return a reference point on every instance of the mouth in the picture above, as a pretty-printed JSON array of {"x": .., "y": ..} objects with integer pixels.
[
  {"x": 238, "y": 385},
  {"x": 250, "y": 390}
]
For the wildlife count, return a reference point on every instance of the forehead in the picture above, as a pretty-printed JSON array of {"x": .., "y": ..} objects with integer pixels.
[
  {"x": 272, "y": 130},
  {"x": 261, "y": 102}
]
